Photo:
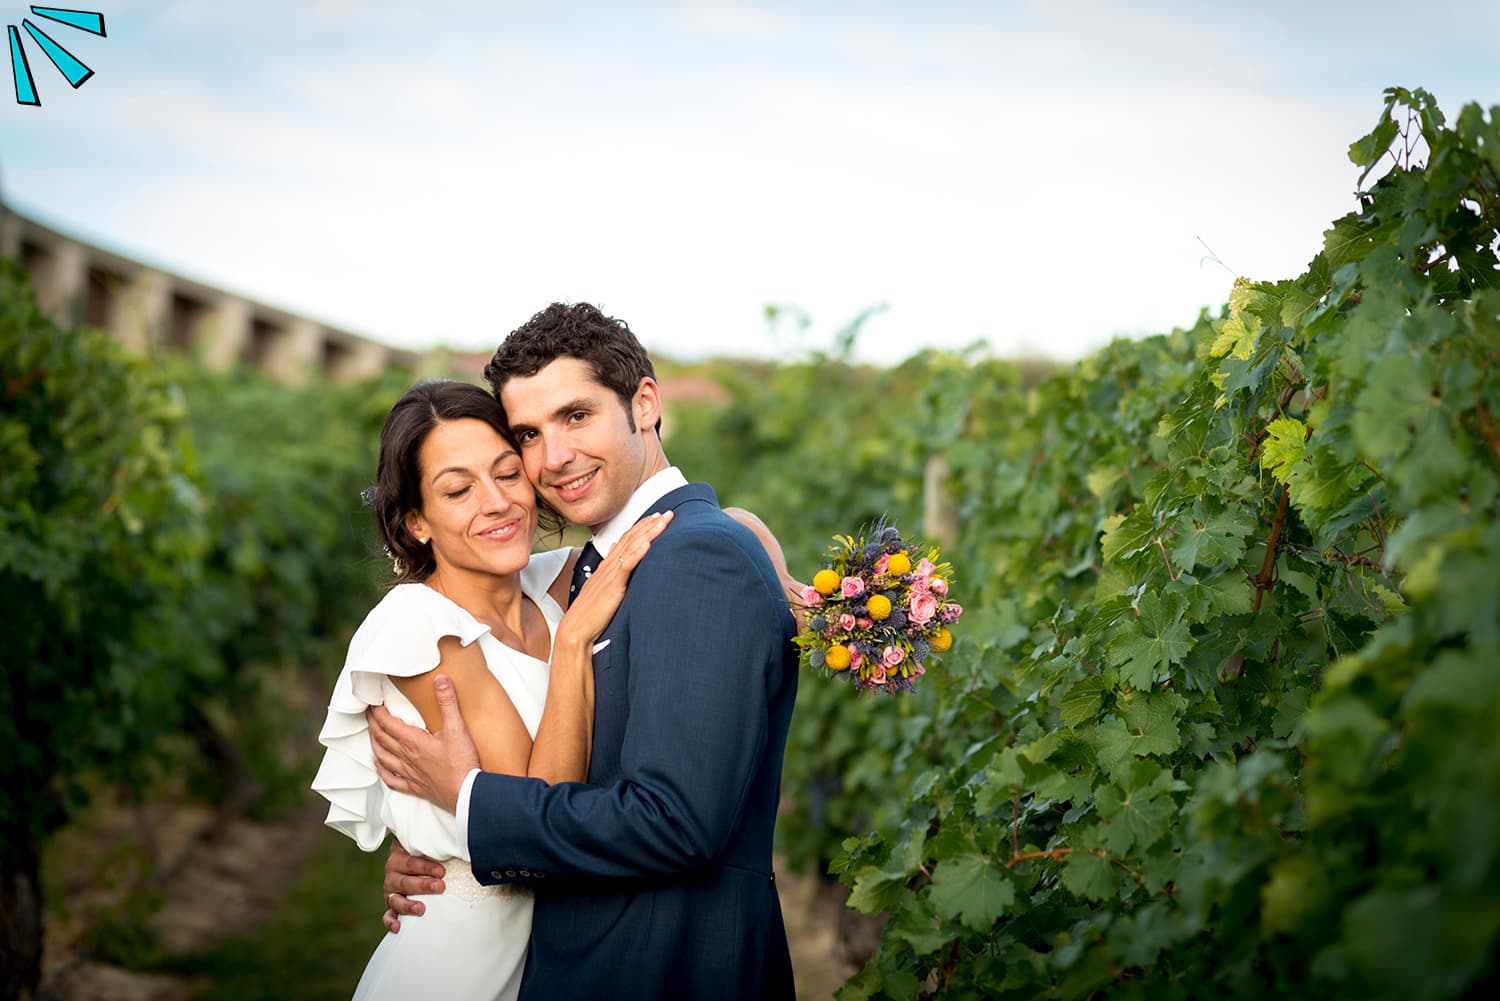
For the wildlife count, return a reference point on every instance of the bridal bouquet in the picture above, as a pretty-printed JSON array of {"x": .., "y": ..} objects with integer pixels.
[{"x": 878, "y": 611}]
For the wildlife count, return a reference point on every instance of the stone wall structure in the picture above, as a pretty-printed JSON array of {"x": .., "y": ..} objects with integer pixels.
[{"x": 150, "y": 309}]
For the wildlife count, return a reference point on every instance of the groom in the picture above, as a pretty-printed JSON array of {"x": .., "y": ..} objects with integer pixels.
[{"x": 653, "y": 879}]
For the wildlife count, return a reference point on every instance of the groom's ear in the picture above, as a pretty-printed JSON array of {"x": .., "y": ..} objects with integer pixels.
[{"x": 645, "y": 406}]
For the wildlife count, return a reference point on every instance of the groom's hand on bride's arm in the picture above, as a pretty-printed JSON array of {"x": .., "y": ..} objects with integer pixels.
[
  {"x": 431, "y": 766},
  {"x": 406, "y": 875}
]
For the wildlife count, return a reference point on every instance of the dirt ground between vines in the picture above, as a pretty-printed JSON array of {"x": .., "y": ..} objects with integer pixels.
[{"x": 231, "y": 883}]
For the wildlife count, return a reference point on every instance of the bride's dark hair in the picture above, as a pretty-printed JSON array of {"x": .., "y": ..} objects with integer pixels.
[{"x": 398, "y": 472}]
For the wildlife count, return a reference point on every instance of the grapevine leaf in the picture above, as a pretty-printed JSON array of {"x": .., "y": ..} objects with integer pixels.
[
  {"x": 1090, "y": 876},
  {"x": 1288, "y": 720},
  {"x": 1157, "y": 638},
  {"x": 1395, "y": 399},
  {"x": 1133, "y": 820},
  {"x": 923, "y": 930},
  {"x": 1220, "y": 595},
  {"x": 1003, "y": 781},
  {"x": 1081, "y": 702},
  {"x": 1349, "y": 240},
  {"x": 1365, "y": 151},
  {"x": 974, "y": 889},
  {"x": 1153, "y": 717},
  {"x": 1218, "y": 540},
  {"x": 1126, "y": 538},
  {"x": 877, "y": 890},
  {"x": 1139, "y": 937},
  {"x": 1236, "y": 338},
  {"x": 1284, "y": 447}
]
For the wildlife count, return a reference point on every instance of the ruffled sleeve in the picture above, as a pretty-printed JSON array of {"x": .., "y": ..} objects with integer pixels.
[
  {"x": 538, "y": 576},
  {"x": 398, "y": 639}
]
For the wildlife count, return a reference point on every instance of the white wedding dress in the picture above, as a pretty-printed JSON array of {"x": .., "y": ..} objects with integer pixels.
[{"x": 471, "y": 942}]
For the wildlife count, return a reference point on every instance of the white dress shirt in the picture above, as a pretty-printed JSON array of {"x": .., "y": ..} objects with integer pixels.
[{"x": 647, "y": 494}]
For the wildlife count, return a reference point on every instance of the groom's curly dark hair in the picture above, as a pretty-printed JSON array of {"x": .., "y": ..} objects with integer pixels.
[{"x": 581, "y": 331}]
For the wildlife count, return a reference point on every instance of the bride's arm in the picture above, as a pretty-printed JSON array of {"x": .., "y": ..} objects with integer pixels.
[
  {"x": 491, "y": 718},
  {"x": 564, "y": 738},
  {"x": 791, "y": 587}
]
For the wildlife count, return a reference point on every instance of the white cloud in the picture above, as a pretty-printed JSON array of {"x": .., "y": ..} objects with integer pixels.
[{"x": 441, "y": 171}]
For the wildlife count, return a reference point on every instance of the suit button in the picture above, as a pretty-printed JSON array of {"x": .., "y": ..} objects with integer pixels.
[
  {"x": 510, "y": 873},
  {"x": 495, "y": 874},
  {"x": 525, "y": 873}
]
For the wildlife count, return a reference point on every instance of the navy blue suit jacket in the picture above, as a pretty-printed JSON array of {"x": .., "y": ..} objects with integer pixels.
[{"x": 654, "y": 879}]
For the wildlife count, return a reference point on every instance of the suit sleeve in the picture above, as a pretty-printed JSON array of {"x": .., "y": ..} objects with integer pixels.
[{"x": 706, "y": 635}]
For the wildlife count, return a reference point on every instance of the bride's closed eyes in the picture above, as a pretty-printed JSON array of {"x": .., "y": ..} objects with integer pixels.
[
  {"x": 505, "y": 469},
  {"x": 502, "y": 477}
]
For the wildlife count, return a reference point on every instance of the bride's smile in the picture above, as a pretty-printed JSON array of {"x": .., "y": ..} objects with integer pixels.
[{"x": 478, "y": 510}]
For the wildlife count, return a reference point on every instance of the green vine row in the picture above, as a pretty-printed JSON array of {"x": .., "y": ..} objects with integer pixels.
[{"x": 1220, "y": 721}]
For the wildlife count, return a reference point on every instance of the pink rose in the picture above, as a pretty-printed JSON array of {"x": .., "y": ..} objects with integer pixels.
[
  {"x": 865, "y": 623},
  {"x": 882, "y": 563},
  {"x": 952, "y": 611},
  {"x": 846, "y": 622},
  {"x": 921, "y": 607},
  {"x": 921, "y": 586},
  {"x": 925, "y": 568},
  {"x": 939, "y": 586},
  {"x": 855, "y": 657},
  {"x": 917, "y": 670},
  {"x": 892, "y": 655},
  {"x": 852, "y": 587},
  {"x": 877, "y": 674},
  {"x": 811, "y": 597}
]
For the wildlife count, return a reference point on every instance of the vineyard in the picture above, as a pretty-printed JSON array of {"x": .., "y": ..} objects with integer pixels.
[{"x": 1220, "y": 718}]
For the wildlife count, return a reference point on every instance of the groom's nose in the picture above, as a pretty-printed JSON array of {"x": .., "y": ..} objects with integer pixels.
[{"x": 556, "y": 452}]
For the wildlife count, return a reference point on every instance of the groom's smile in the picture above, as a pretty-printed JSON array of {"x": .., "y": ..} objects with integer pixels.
[{"x": 574, "y": 488}]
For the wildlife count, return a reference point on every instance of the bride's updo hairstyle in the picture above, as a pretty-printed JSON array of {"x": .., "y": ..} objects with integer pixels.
[{"x": 398, "y": 473}]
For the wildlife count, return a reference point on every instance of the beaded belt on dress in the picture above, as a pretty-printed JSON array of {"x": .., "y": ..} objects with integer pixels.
[{"x": 461, "y": 883}]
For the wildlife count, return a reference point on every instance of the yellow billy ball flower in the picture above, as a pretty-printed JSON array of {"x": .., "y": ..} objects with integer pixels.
[
  {"x": 899, "y": 564},
  {"x": 941, "y": 640},
  {"x": 826, "y": 582},
  {"x": 837, "y": 658},
  {"x": 880, "y": 607}
]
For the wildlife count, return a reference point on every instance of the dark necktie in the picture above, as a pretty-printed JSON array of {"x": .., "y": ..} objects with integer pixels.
[{"x": 588, "y": 560}]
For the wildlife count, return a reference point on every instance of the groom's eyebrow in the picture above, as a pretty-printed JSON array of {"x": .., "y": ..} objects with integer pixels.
[
  {"x": 575, "y": 405},
  {"x": 571, "y": 407}
]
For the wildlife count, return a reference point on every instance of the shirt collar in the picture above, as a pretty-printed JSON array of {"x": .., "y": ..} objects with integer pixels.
[{"x": 648, "y": 493}]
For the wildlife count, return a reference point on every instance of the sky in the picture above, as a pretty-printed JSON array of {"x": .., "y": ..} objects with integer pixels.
[{"x": 1041, "y": 177}]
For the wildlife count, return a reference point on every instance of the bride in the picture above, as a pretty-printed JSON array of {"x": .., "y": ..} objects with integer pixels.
[
  {"x": 469, "y": 601},
  {"x": 472, "y": 602}
]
